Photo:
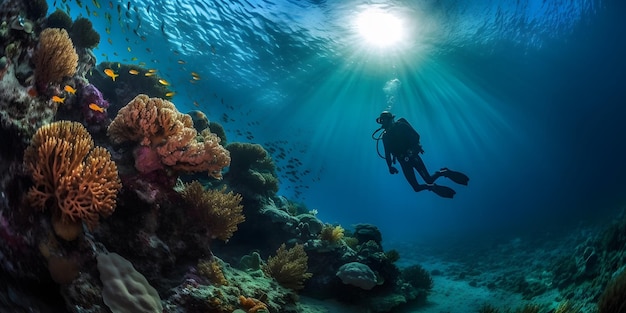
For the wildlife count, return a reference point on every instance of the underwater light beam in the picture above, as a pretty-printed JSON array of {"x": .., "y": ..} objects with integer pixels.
[{"x": 379, "y": 28}]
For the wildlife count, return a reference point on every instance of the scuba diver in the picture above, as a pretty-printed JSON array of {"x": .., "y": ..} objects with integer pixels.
[{"x": 402, "y": 144}]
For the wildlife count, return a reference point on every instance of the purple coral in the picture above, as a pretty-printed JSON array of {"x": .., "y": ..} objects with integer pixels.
[{"x": 91, "y": 102}]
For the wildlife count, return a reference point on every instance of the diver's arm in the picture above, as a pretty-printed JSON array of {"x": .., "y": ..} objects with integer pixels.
[{"x": 389, "y": 159}]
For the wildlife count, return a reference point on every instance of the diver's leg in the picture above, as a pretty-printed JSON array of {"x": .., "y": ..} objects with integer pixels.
[
  {"x": 409, "y": 174},
  {"x": 421, "y": 169}
]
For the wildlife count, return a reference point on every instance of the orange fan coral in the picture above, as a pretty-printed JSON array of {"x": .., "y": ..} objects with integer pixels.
[
  {"x": 54, "y": 58},
  {"x": 74, "y": 180},
  {"x": 289, "y": 267},
  {"x": 219, "y": 212},
  {"x": 156, "y": 123}
]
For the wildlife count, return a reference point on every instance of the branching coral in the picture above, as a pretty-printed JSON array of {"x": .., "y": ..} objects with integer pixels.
[
  {"x": 289, "y": 267},
  {"x": 54, "y": 58},
  {"x": 71, "y": 177},
  {"x": 156, "y": 124},
  {"x": 218, "y": 211},
  {"x": 211, "y": 269}
]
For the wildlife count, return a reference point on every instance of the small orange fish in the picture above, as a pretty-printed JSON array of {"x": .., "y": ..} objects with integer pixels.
[
  {"x": 96, "y": 107},
  {"x": 164, "y": 82},
  {"x": 69, "y": 89},
  {"x": 133, "y": 72},
  {"x": 109, "y": 72},
  {"x": 58, "y": 99},
  {"x": 170, "y": 94}
]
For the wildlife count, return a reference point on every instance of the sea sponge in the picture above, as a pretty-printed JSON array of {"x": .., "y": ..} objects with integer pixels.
[
  {"x": 289, "y": 267},
  {"x": 83, "y": 35},
  {"x": 55, "y": 57},
  {"x": 156, "y": 123},
  {"x": 219, "y": 212},
  {"x": 76, "y": 181}
]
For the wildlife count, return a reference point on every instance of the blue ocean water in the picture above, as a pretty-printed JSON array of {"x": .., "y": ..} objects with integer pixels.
[{"x": 526, "y": 97}]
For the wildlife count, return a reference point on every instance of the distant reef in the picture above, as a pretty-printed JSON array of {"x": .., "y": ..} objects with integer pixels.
[{"x": 111, "y": 200}]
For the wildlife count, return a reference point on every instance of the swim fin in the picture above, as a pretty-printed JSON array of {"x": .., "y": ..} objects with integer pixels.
[
  {"x": 454, "y": 176},
  {"x": 442, "y": 191}
]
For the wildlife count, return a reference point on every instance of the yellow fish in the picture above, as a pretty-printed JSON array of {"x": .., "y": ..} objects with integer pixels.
[
  {"x": 194, "y": 74},
  {"x": 164, "y": 82},
  {"x": 133, "y": 72},
  {"x": 128, "y": 48},
  {"x": 170, "y": 94},
  {"x": 152, "y": 70},
  {"x": 109, "y": 72},
  {"x": 181, "y": 62},
  {"x": 96, "y": 107},
  {"x": 69, "y": 89},
  {"x": 196, "y": 77},
  {"x": 58, "y": 99},
  {"x": 134, "y": 59},
  {"x": 148, "y": 74}
]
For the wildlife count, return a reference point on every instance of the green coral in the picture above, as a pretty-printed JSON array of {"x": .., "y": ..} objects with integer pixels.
[
  {"x": 418, "y": 277},
  {"x": 83, "y": 35},
  {"x": 59, "y": 19},
  {"x": 251, "y": 167}
]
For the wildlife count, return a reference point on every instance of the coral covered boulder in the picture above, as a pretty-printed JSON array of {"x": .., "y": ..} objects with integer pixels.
[{"x": 167, "y": 138}]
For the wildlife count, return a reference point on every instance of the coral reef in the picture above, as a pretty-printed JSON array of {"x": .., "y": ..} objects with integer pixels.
[
  {"x": 76, "y": 181},
  {"x": 167, "y": 138},
  {"x": 217, "y": 211},
  {"x": 251, "y": 170},
  {"x": 55, "y": 58},
  {"x": 289, "y": 267}
]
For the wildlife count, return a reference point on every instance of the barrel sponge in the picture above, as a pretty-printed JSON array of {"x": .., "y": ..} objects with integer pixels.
[
  {"x": 54, "y": 58},
  {"x": 124, "y": 289}
]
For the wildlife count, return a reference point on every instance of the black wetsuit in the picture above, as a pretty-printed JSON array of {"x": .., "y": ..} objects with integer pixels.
[{"x": 402, "y": 143}]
